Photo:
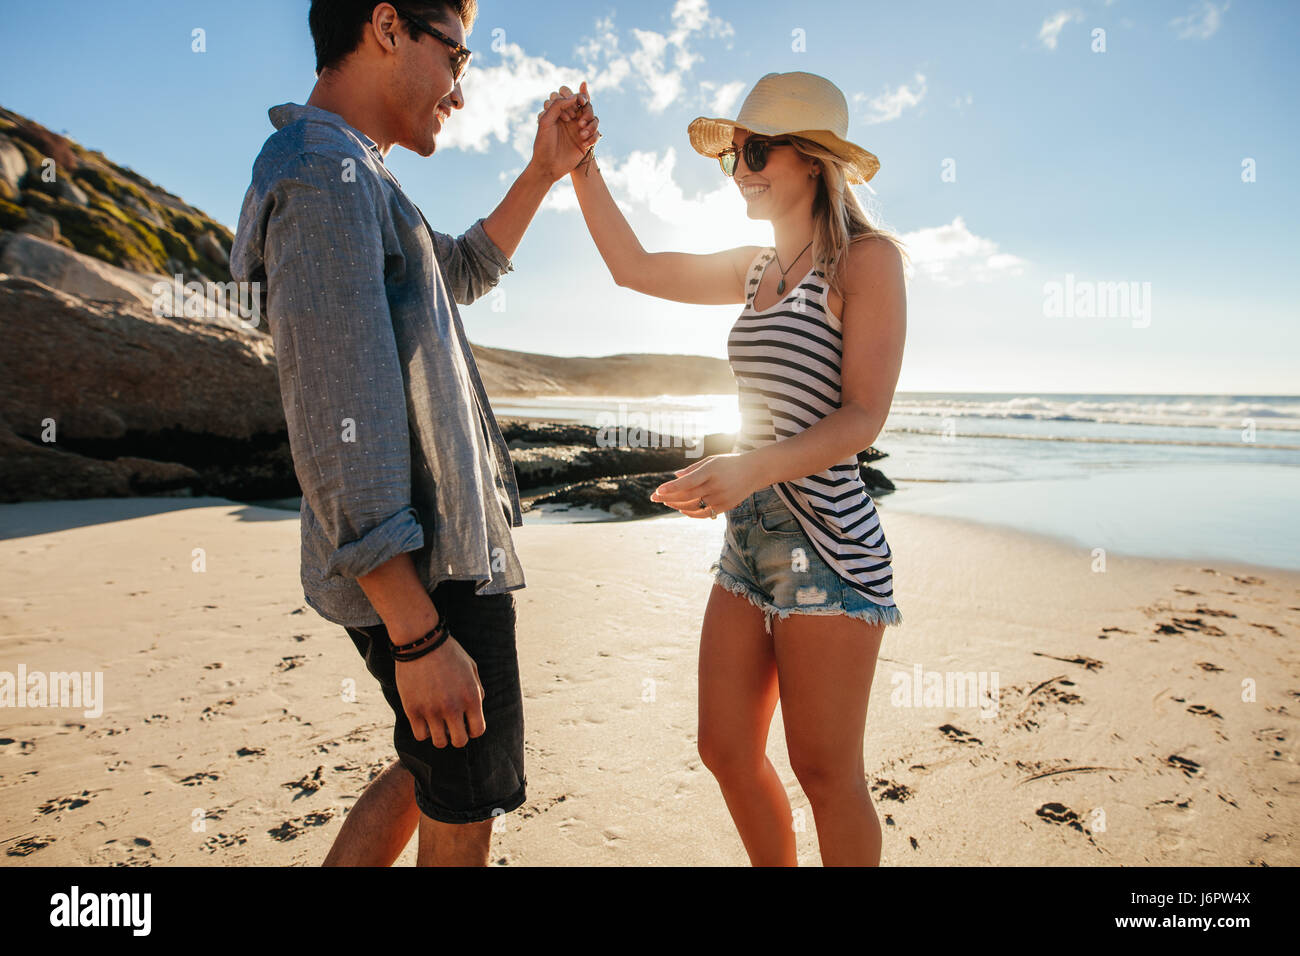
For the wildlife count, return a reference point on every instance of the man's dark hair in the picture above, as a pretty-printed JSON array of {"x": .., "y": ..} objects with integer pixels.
[{"x": 336, "y": 25}]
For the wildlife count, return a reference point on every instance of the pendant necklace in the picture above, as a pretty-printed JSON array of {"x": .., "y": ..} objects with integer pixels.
[{"x": 780, "y": 286}]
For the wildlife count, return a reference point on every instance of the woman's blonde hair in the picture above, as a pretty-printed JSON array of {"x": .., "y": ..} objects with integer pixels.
[{"x": 838, "y": 216}]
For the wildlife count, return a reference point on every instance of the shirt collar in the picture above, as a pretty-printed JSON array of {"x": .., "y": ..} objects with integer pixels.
[{"x": 287, "y": 113}]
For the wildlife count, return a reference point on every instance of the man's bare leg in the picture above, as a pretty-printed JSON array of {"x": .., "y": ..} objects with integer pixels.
[
  {"x": 380, "y": 825},
  {"x": 454, "y": 844}
]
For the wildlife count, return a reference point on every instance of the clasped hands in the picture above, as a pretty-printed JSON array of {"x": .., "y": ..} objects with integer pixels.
[{"x": 567, "y": 128}]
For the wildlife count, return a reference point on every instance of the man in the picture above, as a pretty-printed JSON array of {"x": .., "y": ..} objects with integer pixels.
[{"x": 408, "y": 489}]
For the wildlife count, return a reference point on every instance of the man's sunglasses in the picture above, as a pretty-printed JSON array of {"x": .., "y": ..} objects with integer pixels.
[
  {"x": 460, "y": 54},
  {"x": 755, "y": 150}
]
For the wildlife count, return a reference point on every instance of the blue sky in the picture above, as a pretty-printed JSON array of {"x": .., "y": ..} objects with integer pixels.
[{"x": 1117, "y": 166}]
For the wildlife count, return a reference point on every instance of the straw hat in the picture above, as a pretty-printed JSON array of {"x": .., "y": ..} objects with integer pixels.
[{"x": 804, "y": 104}]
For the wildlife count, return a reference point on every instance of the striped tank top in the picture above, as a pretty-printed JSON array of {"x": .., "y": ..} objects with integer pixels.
[{"x": 786, "y": 360}]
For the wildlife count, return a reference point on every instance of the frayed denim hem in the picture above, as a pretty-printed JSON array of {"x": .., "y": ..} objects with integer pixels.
[
  {"x": 879, "y": 614},
  {"x": 872, "y": 615}
]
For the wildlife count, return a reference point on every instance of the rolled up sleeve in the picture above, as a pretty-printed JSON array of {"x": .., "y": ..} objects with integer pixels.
[
  {"x": 472, "y": 263},
  {"x": 341, "y": 380}
]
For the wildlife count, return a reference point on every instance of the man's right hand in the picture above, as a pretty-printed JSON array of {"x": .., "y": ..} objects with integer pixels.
[{"x": 440, "y": 693}]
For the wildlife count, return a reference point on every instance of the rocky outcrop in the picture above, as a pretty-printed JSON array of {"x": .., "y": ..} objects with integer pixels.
[
  {"x": 562, "y": 465},
  {"x": 13, "y": 166},
  {"x": 104, "y": 399},
  {"x": 61, "y": 268},
  {"x": 103, "y": 210}
]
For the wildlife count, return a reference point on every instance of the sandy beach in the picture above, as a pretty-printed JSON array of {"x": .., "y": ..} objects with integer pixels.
[{"x": 1146, "y": 714}]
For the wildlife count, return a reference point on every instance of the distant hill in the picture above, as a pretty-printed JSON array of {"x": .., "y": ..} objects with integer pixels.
[{"x": 509, "y": 373}]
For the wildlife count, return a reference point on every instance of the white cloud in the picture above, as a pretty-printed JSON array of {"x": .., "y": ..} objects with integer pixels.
[
  {"x": 502, "y": 101},
  {"x": 661, "y": 63},
  {"x": 1201, "y": 22},
  {"x": 890, "y": 104},
  {"x": 953, "y": 255},
  {"x": 720, "y": 98},
  {"x": 1050, "y": 32}
]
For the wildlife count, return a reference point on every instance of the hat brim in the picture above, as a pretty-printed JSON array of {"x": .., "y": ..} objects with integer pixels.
[{"x": 710, "y": 136}]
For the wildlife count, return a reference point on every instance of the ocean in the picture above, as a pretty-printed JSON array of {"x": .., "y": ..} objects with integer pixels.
[{"x": 1177, "y": 476}]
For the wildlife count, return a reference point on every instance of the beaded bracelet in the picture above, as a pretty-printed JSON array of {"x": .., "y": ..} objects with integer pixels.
[{"x": 425, "y": 645}]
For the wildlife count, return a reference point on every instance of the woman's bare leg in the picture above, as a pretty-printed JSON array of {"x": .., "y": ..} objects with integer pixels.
[
  {"x": 826, "y": 664},
  {"x": 380, "y": 824},
  {"x": 738, "y": 694}
]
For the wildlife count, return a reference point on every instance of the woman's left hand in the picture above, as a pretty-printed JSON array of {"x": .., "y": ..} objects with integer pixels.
[
  {"x": 565, "y": 133},
  {"x": 723, "y": 481}
]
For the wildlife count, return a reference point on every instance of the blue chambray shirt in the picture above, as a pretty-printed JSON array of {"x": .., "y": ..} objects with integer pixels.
[{"x": 393, "y": 440}]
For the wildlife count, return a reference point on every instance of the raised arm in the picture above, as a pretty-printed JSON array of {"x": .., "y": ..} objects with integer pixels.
[
  {"x": 717, "y": 278},
  {"x": 473, "y": 262}
]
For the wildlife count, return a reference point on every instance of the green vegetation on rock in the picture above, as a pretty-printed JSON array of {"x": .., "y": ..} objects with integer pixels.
[{"x": 120, "y": 224}]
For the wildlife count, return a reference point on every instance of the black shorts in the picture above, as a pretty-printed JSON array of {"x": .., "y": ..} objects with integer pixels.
[{"x": 485, "y": 777}]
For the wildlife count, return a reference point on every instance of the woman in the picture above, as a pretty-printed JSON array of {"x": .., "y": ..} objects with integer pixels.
[{"x": 803, "y": 588}]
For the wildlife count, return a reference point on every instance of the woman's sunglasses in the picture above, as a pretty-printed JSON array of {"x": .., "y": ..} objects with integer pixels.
[
  {"x": 460, "y": 54},
  {"x": 755, "y": 150}
]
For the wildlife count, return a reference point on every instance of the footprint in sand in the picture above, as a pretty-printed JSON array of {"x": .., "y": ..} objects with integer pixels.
[
  {"x": 1271, "y": 736},
  {"x": 1212, "y": 612},
  {"x": 889, "y": 790},
  {"x": 307, "y": 784},
  {"x": 137, "y": 851},
  {"x": 290, "y": 829},
  {"x": 535, "y": 807},
  {"x": 59, "y": 804},
  {"x": 192, "y": 780},
  {"x": 29, "y": 845},
  {"x": 1181, "y": 625},
  {"x": 223, "y": 841},
  {"x": 1041, "y": 697},
  {"x": 959, "y": 736},
  {"x": 196, "y": 779},
  {"x": 1188, "y": 767},
  {"x": 214, "y": 710},
  {"x": 1062, "y": 815}
]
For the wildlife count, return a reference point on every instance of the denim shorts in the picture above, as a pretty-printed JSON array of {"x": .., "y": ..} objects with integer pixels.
[
  {"x": 486, "y": 776},
  {"x": 768, "y": 559}
]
